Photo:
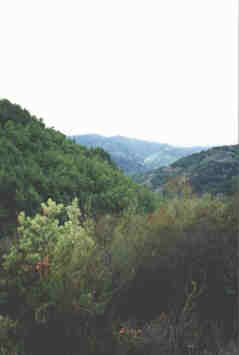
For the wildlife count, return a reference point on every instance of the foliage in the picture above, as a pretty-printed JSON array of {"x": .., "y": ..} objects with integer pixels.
[
  {"x": 104, "y": 257},
  {"x": 38, "y": 163},
  {"x": 55, "y": 272},
  {"x": 87, "y": 280},
  {"x": 186, "y": 239},
  {"x": 52, "y": 258},
  {"x": 8, "y": 338}
]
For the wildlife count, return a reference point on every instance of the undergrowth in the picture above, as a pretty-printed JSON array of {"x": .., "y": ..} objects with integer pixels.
[{"x": 132, "y": 284}]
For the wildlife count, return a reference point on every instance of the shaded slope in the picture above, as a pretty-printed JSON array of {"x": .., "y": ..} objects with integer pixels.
[{"x": 215, "y": 170}]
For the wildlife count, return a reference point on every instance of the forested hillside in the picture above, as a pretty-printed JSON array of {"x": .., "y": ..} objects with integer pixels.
[
  {"x": 213, "y": 171},
  {"x": 38, "y": 163},
  {"x": 134, "y": 155}
]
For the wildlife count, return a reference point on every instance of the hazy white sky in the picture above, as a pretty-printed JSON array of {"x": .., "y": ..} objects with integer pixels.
[{"x": 163, "y": 70}]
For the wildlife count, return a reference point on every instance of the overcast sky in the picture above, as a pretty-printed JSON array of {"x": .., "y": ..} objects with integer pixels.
[{"x": 163, "y": 70}]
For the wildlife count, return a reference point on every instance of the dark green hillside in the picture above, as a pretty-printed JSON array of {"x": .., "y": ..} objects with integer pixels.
[
  {"x": 38, "y": 163},
  {"x": 215, "y": 170},
  {"x": 135, "y": 156}
]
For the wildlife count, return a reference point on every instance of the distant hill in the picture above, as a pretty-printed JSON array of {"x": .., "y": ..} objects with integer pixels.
[
  {"x": 134, "y": 155},
  {"x": 215, "y": 170}
]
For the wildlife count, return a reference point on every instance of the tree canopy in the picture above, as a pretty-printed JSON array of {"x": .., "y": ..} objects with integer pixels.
[{"x": 38, "y": 163}]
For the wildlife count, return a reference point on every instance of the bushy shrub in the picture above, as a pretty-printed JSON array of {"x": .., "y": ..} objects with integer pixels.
[
  {"x": 187, "y": 239},
  {"x": 53, "y": 271},
  {"x": 70, "y": 285}
]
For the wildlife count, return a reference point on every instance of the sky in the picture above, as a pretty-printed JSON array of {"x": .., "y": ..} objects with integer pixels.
[{"x": 163, "y": 70}]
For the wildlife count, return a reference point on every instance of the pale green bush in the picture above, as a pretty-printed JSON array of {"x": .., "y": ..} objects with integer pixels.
[
  {"x": 54, "y": 270},
  {"x": 51, "y": 257}
]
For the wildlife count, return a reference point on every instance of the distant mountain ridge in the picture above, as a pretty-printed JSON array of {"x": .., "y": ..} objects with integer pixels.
[
  {"x": 215, "y": 170},
  {"x": 133, "y": 155}
]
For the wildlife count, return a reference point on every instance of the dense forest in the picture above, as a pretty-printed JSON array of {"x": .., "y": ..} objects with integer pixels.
[
  {"x": 38, "y": 163},
  {"x": 92, "y": 263}
]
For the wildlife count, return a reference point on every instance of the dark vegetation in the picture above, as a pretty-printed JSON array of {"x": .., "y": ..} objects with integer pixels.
[
  {"x": 135, "y": 156},
  {"x": 95, "y": 264}
]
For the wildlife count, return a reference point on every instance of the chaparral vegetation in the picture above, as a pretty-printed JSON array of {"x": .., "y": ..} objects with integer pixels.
[{"x": 92, "y": 263}]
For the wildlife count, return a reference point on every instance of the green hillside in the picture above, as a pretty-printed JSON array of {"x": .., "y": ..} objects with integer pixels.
[
  {"x": 215, "y": 170},
  {"x": 38, "y": 163}
]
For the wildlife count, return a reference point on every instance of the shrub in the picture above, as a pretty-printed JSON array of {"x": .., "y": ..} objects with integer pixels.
[
  {"x": 52, "y": 272},
  {"x": 186, "y": 239}
]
